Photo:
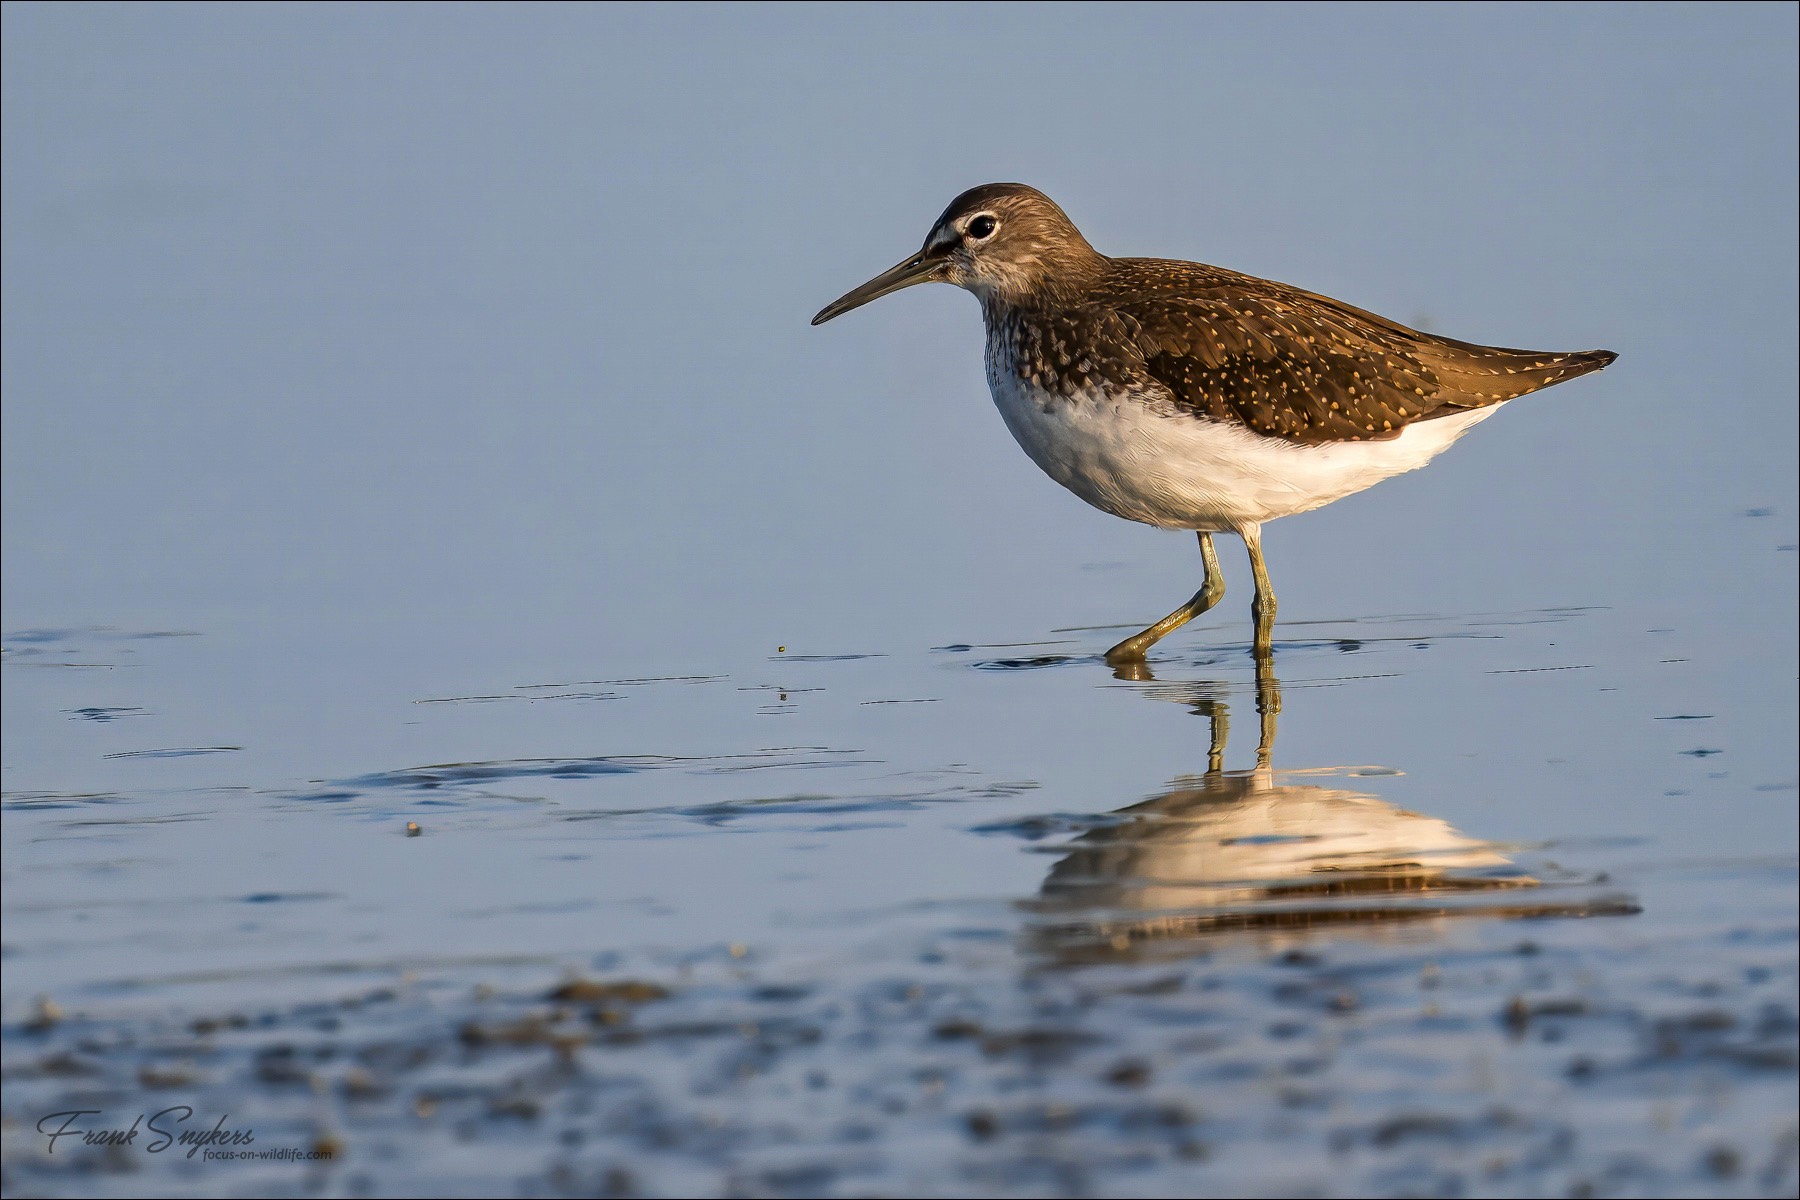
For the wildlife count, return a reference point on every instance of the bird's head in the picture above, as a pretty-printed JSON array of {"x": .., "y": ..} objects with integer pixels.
[{"x": 1003, "y": 241}]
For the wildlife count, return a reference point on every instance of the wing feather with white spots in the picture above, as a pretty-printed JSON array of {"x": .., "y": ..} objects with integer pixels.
[{"x": 1290, "y": 364}]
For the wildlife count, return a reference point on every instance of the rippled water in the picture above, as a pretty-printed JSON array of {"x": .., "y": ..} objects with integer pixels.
[
  {"x": 937, "y": 950},
  {"x": 491, "y": 695}
]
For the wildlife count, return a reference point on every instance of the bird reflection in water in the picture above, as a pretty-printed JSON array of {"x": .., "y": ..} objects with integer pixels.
[{"x": 1275, "y": 852}]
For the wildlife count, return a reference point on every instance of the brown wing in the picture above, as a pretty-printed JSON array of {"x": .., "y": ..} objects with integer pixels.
[{"x": 1290, "y": 364}]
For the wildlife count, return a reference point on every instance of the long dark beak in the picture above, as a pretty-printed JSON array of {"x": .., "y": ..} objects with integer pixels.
[{"x": 922, "y": 267}]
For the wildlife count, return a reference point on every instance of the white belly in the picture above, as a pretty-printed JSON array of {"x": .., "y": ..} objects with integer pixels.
[{"x": 1183, "y": 472}]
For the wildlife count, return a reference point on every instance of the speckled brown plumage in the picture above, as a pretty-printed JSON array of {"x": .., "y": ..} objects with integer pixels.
[{"x": 1274, "y": 359}]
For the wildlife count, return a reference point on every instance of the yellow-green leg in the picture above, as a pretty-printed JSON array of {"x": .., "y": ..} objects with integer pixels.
[
  {"x": 1262, "y": 609},
  {"x": 1131, "y": 650}
]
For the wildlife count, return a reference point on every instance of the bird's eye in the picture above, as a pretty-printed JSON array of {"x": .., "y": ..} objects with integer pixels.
[{"x": 983, "y": 227}]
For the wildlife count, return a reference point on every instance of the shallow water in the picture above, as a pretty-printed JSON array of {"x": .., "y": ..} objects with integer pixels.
[
  {"x": 491, "y": 694},
  {"x": 935, "y": 949}
]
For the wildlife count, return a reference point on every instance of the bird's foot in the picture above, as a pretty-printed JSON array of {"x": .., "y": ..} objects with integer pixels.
[{"x": 1128, "y": 653}]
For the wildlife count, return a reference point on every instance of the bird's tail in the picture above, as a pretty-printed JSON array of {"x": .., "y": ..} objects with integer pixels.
[{"x": 1490, "y": 374}]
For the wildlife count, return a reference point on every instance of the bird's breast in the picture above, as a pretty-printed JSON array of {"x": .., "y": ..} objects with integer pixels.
[{"x": 1101, "y": 442}]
